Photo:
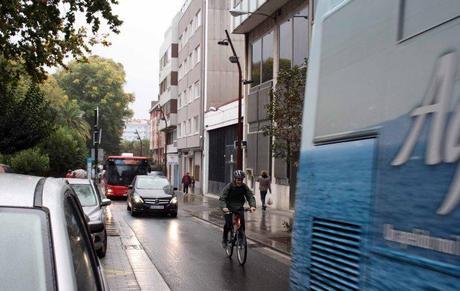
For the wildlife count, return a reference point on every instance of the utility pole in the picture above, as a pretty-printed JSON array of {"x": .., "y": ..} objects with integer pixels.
[
  {"x": 239, "y": 130},
  {"x": 140, "y": 140}
]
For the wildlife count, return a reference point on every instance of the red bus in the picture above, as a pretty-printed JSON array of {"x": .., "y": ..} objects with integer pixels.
[{"x": 120, "y": 172}]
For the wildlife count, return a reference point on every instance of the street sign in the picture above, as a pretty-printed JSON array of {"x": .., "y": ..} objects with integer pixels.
[{"x": 89, "y": 166}]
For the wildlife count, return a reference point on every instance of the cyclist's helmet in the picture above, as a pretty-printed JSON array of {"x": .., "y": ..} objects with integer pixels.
[{"x": 238, "y": 174}]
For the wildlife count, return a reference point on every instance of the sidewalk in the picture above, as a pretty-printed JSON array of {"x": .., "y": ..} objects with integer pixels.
[{"x": 269, "y": 227}]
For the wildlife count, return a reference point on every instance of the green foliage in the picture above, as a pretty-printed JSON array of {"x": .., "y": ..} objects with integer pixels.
[
  {"x": 285, "y": 111},
  {"x": 135, "y": 147},
  {"x": 30, "y": 162},
  {"x": 99, "y": 82},
  {"x": 65, "y": 151},
  {"x": 44, "y": 32},
  {"x": 25, "y": 116}
]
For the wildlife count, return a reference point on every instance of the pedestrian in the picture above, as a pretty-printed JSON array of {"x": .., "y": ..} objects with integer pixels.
[
  {"x": 186, "y": 180},
  {"x": 264, "y": 186},
  {"x": 192, "y": 184},
  {"x": 69, "y": 174}
]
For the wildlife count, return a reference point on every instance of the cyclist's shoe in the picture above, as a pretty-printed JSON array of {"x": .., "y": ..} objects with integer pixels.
[{"x": 224, "y": 243}]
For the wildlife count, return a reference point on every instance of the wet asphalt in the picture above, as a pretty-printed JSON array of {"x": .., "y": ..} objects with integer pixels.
[{"x": 188, "y": 255}]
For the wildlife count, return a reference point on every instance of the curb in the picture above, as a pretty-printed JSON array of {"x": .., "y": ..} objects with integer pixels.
[{"x": 247, "y": 235}]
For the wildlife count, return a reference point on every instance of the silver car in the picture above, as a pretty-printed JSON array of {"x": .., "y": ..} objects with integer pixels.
[
  {"x": 45, "y": 239},
  {"x": 92, "y": 203}
]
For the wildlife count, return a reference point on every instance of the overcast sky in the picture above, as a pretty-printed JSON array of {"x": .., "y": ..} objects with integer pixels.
[{"x": 138, "y": 44}]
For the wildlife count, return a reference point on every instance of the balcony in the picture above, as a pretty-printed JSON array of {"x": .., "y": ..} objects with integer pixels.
[
  {"x": 171, "y": 148},
  {"x": 245, "y": 23},
  {"x": 171, "y": 121}
]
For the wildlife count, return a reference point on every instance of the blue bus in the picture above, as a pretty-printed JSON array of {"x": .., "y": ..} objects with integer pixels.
[{"x": 378, "y": 193}]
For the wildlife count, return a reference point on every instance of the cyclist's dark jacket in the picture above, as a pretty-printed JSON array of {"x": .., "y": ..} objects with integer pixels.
[{"x": 233, "y": 197}]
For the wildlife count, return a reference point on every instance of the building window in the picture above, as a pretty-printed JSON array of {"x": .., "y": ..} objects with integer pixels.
[
  {"x": 300, "y": 38},
  {"x": 179, "y": 130},
  {"x": 179, "y": 101},
  {"x": 180, "y": 42},
  {"x": 184, "y": 98},
  {"x": 267, "y": 57},
  {"x": 256, "y": 61},
  {"x": 285, "y": 45},
  {"x": 196, "y": 126},
  {"x": 198, "y": 18},
  {"x": 190, "y": 60},
  {"x": 190, "y": 94},
  {"x": 198, "y": 53},
  {"x": 196, "y": 89}
]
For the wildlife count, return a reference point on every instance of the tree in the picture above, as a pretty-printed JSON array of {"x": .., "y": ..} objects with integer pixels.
[
  {"x": 25, "y": 116},
  {"x": 99, "y": 82},
  {"x": 44, "y": 32},
  {"x": 134, "y": 146},
  {"x": 285, "y": 111},
  {"x": 30, "y": 162},
  {"x": 65, "y": 151}
]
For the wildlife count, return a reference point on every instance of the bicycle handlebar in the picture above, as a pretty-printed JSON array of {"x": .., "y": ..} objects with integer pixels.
[{"x": 245, "y": 210}]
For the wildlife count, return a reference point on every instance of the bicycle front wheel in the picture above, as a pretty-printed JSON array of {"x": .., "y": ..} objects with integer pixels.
[
  {"x": 241, "y": 248},
  {"x": 230, "y": 244}
]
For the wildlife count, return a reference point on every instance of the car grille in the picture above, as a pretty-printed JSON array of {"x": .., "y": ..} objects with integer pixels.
[{"x": 157, "y": 201}]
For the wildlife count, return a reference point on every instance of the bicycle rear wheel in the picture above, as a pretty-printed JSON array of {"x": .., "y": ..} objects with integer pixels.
[
  {"x": 230, "y": 244},
  {"x": 241, "y": 248}
]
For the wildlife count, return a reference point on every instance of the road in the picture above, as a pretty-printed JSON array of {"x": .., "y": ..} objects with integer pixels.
[{"x": 187, "y": 253}]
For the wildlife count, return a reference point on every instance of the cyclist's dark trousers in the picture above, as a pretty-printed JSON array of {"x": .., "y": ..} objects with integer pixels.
[
  {"x": 186, "y": 188},
  {"x": 229, "y": 221}
]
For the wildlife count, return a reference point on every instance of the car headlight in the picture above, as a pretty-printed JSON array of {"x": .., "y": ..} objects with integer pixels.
[
  {"x": 173, "y": 201},
  {"x": 138, "y": 199}
]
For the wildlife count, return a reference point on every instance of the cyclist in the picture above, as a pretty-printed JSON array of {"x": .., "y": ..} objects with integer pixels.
[{"x": 232, "y": 199}]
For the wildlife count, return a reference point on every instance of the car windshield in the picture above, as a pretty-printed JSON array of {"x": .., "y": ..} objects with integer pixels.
[
  {"x": 85, "y": 194},
  {"x": 25, "y": 252},
  {"x": 151, "y": 182}
]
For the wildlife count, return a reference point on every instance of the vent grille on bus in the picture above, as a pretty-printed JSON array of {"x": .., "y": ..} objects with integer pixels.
[{"x": 335, "y": 255}]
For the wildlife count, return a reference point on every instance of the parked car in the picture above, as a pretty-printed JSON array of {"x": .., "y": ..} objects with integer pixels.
[
  {"x": 93, "y": 203},
  {"x": 156, "y": 173},
  {"x": 151, "y": 194},
  {"x": 45, "y": 239}
]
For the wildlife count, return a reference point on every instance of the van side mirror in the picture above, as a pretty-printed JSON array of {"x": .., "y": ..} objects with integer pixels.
[
  {"x": 130, "y": 187},
  {"x": 175, "y": 188}
]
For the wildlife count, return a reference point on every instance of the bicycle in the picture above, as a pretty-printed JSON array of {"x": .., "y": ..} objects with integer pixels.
[{"x": 238, "y": 239}]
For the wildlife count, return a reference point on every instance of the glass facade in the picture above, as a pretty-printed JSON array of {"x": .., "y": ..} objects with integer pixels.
[
  {"x": 267, "y": 57},
  {"x": 256, "y": 61},
  {"x": 300, "y": 37},
  {"x": 285, "y": 44}
]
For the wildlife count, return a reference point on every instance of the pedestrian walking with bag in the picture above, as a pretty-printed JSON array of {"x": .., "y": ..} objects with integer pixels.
[
  {"x": 264, "y": 186},
  {"x": 186, "y": 180}
]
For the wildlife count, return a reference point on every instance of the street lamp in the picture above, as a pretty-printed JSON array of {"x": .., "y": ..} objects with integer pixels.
[
  {"x": 239, "y": 131},
  {"x": 163, "y": 117}
]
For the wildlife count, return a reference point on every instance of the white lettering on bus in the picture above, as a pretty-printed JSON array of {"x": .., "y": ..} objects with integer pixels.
[
  {"x": 422, "y": 239},
  {"x": 436, "y": 102}
]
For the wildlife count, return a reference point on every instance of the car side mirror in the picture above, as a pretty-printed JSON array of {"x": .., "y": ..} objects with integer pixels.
[
  {"x": 106, "y": 202},
  {"x": 95, "y": 226},
  {"x": 175, "y": 188},
  {"x": 130, "y": 187}
]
